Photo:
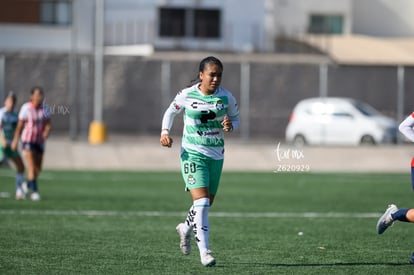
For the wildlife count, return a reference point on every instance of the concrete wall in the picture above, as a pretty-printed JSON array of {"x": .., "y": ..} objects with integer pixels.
[
  {"x": 384, "y": 18},
  {"x": 134, "y": 101}
]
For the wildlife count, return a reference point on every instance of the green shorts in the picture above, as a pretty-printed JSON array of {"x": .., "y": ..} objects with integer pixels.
[
  {"x": 200, "y": 171},
  {"x": 9, "y": 153}
]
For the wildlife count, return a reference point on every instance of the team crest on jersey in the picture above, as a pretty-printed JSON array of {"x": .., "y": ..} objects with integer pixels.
[
  {"x": 219, "y": 105},
  {"x": 191, "y": 180}
]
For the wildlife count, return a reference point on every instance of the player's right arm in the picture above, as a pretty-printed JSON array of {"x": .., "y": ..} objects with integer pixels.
[
  {"x": 406, "y": 127},
  {"x": 167, "y": 121}
]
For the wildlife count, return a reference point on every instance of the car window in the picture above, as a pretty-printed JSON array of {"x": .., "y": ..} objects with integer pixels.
[{"x": 365, "y": 109}]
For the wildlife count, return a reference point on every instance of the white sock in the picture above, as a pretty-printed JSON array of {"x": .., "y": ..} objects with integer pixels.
[
  {"x": 188, "y": 223},
  {"x": 200, "y": 224}
]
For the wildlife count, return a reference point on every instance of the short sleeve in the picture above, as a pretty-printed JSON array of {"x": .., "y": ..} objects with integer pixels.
[{"x": 24, "y": 112}]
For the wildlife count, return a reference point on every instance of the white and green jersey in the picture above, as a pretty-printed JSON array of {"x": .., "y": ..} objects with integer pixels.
[
  {"x": 8, "y": 123},
  {"x": 203, "y": 115}
]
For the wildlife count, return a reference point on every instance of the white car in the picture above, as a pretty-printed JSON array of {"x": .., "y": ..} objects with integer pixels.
[{"x": 338, "y": 121}]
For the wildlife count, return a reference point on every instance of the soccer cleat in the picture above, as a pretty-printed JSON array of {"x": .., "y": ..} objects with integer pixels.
[
  {"x": 185, "y": 242},
  {"x": 207, "y": 259},
  {"x": 386, "y": 220},
  {"x": 35, "y": 196},
  {"x": 20, "y": 195}
]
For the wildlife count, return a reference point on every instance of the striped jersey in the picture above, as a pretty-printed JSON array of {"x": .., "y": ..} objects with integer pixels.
[
  {"x": 8, "y": 123},
  {"x": 34, "y": 122},
  {"x": 203, "y": 115}
]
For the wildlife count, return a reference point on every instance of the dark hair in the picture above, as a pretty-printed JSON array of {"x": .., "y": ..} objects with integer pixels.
[
  {"x": 35, "y": 88},
  {"x": 12, "y": 95},
  {"x": 203, "y": 63}
]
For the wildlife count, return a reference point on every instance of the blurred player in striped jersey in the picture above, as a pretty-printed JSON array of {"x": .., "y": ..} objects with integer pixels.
[
  {"x": 8, "y": 124},
  {"x": 33, "y": 129},
  {"x": 393, "y": 213},
  {"x": 209, "y": 111}
]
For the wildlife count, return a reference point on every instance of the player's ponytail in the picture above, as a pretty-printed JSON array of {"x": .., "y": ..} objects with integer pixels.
[{"x": 202, "y": 65}]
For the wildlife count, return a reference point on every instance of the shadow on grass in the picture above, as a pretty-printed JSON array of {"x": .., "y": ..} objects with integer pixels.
[{"x": 323, "y": 264}]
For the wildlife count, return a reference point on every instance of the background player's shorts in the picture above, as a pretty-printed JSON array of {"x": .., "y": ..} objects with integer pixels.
[
  {"x": 200, "y": 171},
  {"x": 8, "y": 153},
  {"x": 39, "y": 148}
]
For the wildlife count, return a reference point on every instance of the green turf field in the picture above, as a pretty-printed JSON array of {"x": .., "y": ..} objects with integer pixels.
[{"x": 124, "y": 223}]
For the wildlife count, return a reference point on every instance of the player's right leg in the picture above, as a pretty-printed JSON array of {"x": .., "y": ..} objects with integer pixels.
[
  {"x": 184, "y": 232},
  {"x": 21, "y": 191}
]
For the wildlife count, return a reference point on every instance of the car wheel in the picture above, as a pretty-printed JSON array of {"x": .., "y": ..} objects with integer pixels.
[
  {"x": 367, "y": 140},
  {"x": 299, "y": 141}
]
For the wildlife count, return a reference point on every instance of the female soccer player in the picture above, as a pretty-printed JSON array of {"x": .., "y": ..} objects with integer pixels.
[
  {"x": 209, "y": 110},
  {"x": 393, "y": 213},
  {"x": 8, "y": 124},
  {"x": 33, "y": 128}
]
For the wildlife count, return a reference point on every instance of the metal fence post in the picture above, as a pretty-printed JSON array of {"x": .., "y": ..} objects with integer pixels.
[
  {"x": 2, "y": 76},
  {"x": 165, "y": 83},
  {"x": 245, "y": 100},
  {"x": 323, "y": 80},
  {"x": 400, "y": 96}
]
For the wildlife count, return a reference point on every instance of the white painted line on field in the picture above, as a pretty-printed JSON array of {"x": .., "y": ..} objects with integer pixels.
[{"x": 183, "y": 214}]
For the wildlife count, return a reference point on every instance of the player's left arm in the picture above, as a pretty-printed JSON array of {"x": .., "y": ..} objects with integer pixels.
[{"x": 231, "y": 120}]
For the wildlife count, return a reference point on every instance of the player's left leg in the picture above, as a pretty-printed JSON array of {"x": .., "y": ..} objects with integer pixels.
[
  {"x": 203, "y": 199},
  {"x": 201, "y": 226},
  {"x": 38, "y": 160}
]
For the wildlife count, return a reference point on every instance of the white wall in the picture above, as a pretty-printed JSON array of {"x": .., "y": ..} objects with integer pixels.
[
  {"x": 135, "y": 21},
  {"x": 292, "y": 16},
  {"x": 384, "y": 18},
  {"x": 17, "y": 37}
]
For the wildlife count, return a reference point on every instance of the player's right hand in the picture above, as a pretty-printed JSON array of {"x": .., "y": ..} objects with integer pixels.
[{"x": 166, "y": 141}]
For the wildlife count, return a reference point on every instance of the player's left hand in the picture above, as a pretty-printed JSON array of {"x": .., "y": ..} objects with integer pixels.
[{"x": 227, "y": 124}]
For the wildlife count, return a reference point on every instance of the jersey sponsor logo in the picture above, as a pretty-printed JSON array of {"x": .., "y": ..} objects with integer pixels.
[
  {"x": 207, "y": 115},
  {"x": 206, "y": 134},
  {"x": 195, "y": 104}
]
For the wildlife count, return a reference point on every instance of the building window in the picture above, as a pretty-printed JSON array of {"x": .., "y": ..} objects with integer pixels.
[
  {"x": 329, "y": 24},
  {"x": 187, "y": 22},
  {"x": 206, "y": 23},
  {"x": 58, "y": 12},
  {"x": 172, "y": 22}
]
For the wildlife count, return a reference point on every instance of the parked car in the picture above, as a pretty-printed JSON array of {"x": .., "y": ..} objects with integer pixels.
[{"x": 338, "y": 121}]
